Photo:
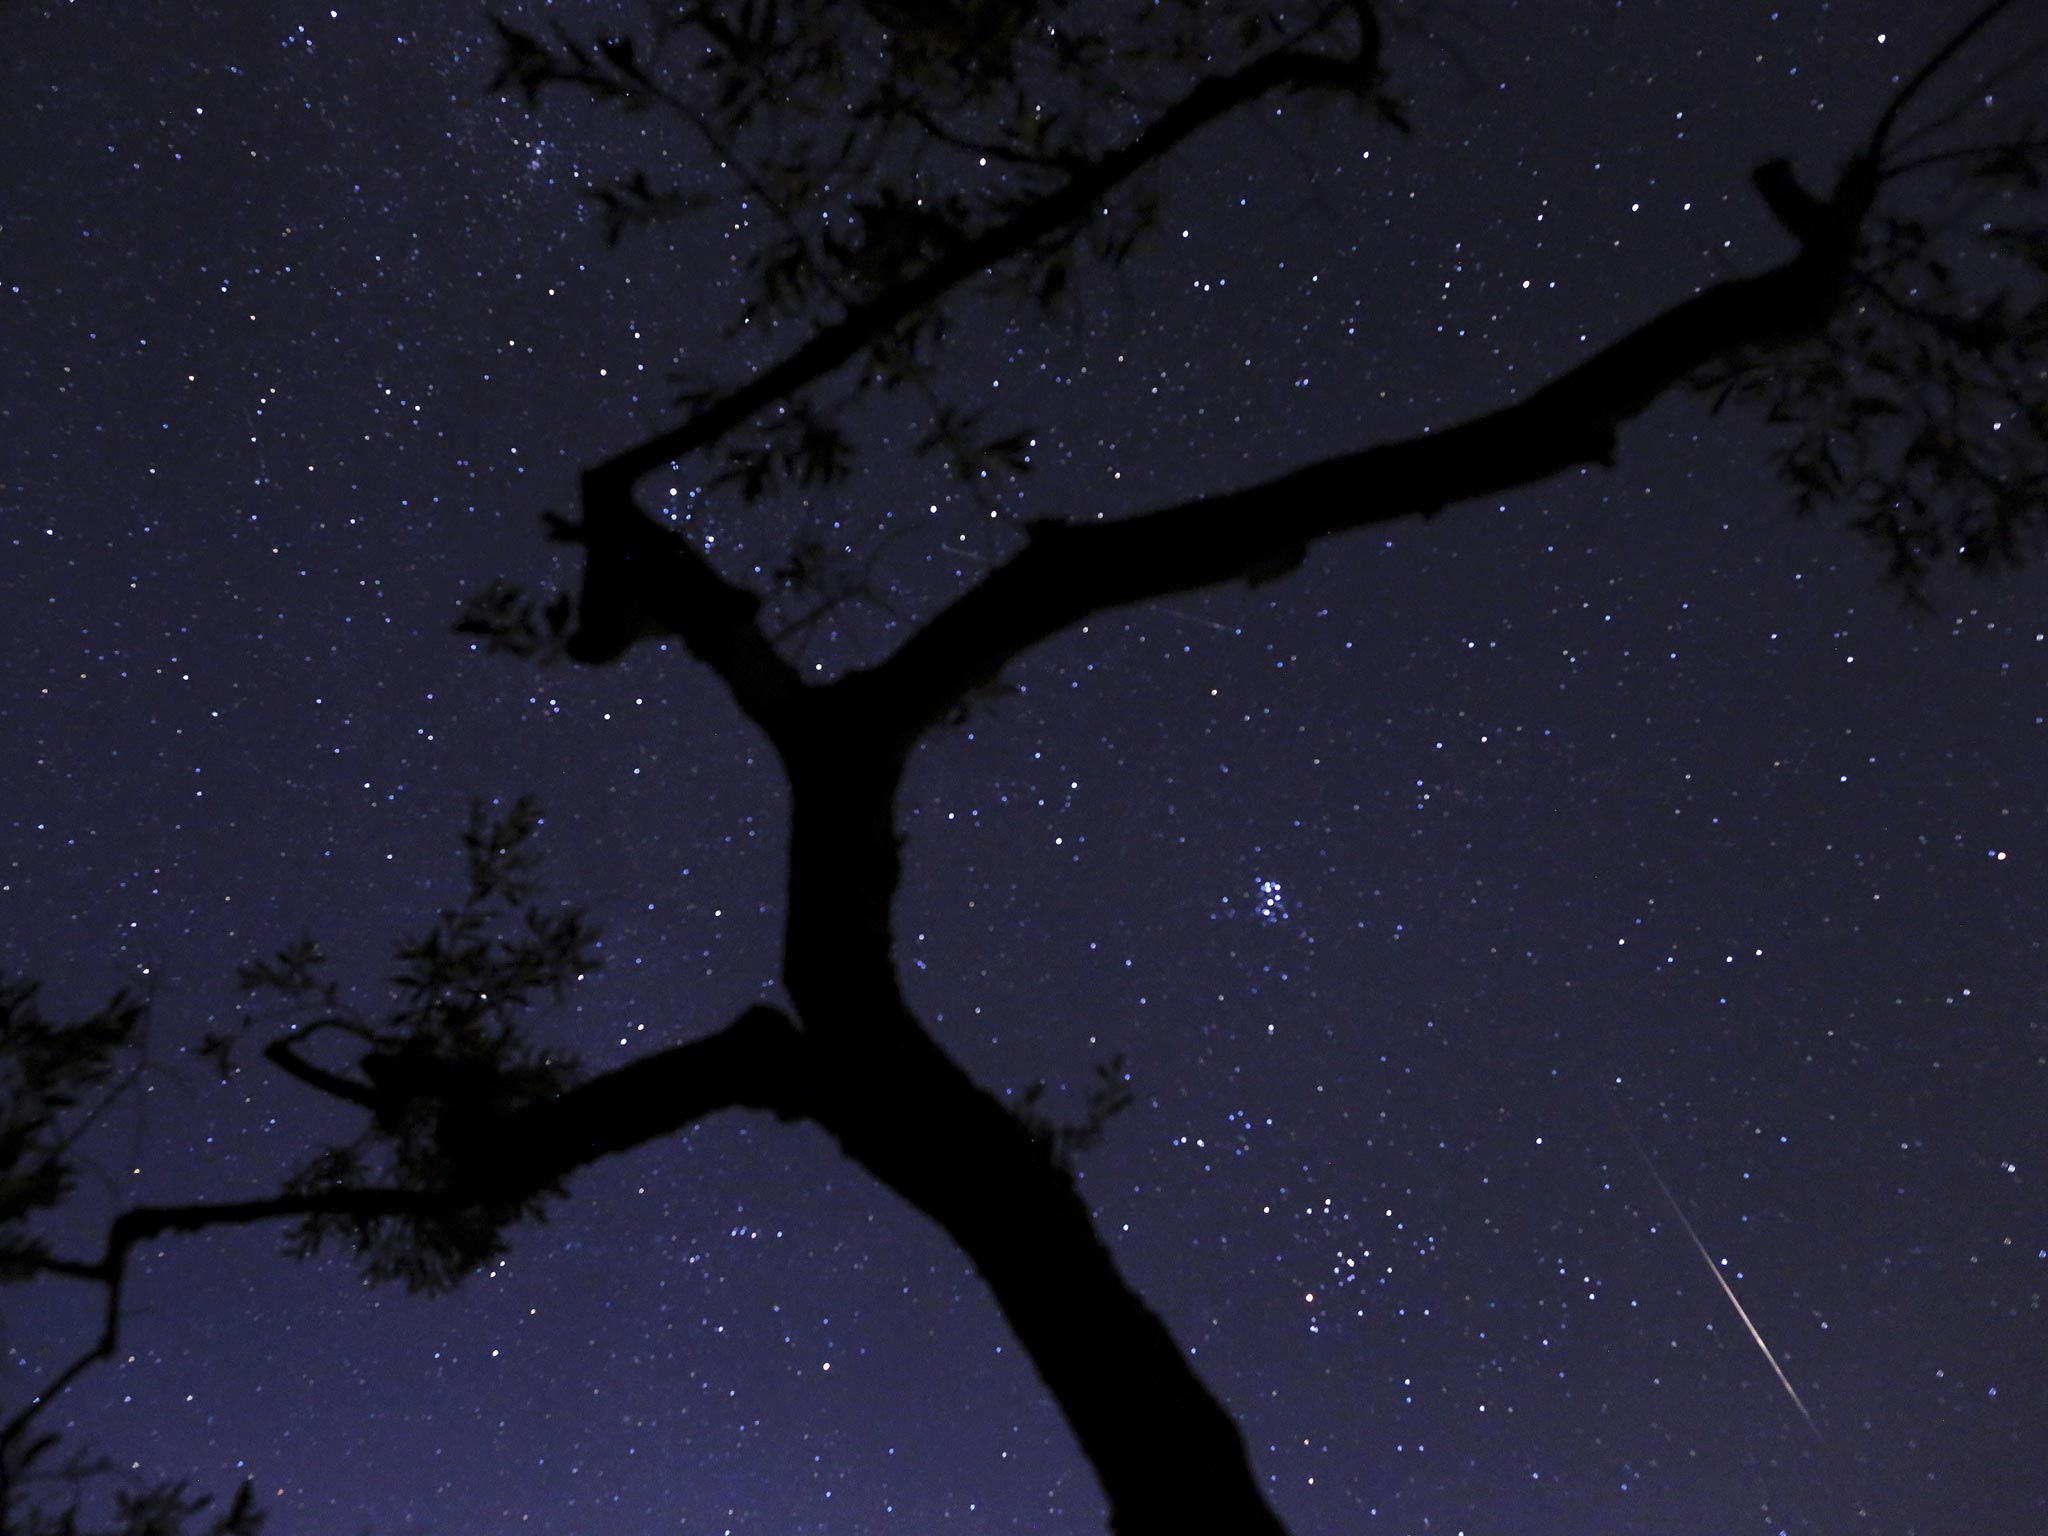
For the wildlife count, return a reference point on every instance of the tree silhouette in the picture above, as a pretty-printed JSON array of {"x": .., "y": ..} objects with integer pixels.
[{"x": 900, "y": 163}]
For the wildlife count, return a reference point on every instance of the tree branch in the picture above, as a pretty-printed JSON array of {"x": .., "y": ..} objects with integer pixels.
[
  {"x": 281, "y": 1055},
  {"x": 641, "y": 579},
  {"x": 758, "y": 1061},
  {"x": 141, "y": 1223},
  {"x": 1880, "y": 134},
  {"x": 1070, "y": 571},
  {"x": 1168, "y": 1454},
  {"x": 1073, "y": 203}
]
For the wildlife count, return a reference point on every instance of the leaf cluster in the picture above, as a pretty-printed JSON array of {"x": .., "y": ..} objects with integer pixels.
[
  {"x": 55, "y": 1079},
  {"x": 30, "y": 1473},
  {"x": 441, "y": 1071},
  {"x": 1922, "y": 410},
  {"x": 508, "y": 620},
  {"x": 798, "y": 447}
]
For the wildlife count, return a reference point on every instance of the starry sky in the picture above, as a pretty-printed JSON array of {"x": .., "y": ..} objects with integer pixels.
[{"x": 1440, "y": 899}]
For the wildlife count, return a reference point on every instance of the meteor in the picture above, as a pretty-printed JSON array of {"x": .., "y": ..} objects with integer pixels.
[{"x": 1715, "y": 1270}]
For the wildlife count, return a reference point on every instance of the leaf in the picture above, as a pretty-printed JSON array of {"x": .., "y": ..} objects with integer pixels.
[
  {"x": 217, "y": 1048},
  {"x": 21, "y": 1256},
  {"x": 522, "y": 63},
  {"x": 291, "y": 972}
]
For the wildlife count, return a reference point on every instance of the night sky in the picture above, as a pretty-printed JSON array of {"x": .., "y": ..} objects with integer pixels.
[{"x": 1410, "y": 888}]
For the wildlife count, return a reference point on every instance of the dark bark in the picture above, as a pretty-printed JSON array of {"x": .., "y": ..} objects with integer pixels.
[
  {"x": 1170, "y": 1457},
  {"x": 758, "y": 1061}
]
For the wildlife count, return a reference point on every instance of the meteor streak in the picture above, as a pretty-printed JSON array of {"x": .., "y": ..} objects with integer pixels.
[{"x": 1715, "y": 1270}]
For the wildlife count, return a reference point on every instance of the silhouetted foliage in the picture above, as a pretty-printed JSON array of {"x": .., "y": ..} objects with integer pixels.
[
  {"x": 443, "y": 1071},
  {"x": 1920, "y": 408},
  {"x": 44, "y": 1492},
  {"x": 55, "y": 1080},
  {"x": 47, "y": 1496}
]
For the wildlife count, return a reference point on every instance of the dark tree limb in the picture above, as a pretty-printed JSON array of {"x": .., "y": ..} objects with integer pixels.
[
  {"x": 143, "y": 1223},
  {"x": 759, "y": 1061},
  {"x": 641, "y": 579},
  {"x": 1069, "y": 571},
  {"x": 755, "y": 1062},
  {"x": 279, "y": 1053},
  {"x": 1073, "y": 203},
  {"x": 1168, "y": 1454}
]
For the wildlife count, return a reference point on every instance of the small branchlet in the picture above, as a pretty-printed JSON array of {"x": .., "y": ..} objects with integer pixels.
[
  {"x": 56, "y": 1079},
  {"x": 507, "y": 620},
  {"x": 635, "y": 203},
  {"x": 1108, "y": 1096}
]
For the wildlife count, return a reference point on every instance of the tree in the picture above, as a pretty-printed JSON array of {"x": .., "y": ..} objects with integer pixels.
[{"x": 1002, "y": 155}]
